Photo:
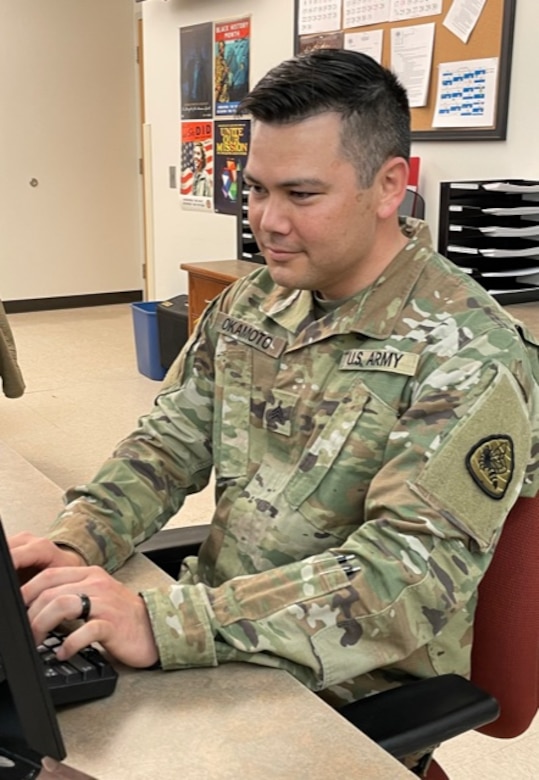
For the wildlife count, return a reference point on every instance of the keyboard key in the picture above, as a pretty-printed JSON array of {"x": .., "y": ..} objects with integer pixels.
[
  {"x": 87, "y": 670},
  {"x": 86, "y": 675}
]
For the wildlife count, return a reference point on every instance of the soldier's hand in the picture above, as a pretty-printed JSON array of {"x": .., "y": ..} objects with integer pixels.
[
  {"x": 32, "y": 553},
  {"x": 117, "y": 617}
]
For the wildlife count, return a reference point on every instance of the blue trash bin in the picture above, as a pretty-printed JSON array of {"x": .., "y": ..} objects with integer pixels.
[{"x": 147, "y": 339}]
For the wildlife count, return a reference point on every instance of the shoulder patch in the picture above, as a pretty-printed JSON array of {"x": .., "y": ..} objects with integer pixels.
[{"x": 490, "y": 463}]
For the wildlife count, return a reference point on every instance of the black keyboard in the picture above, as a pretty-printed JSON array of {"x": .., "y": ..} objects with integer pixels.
[{"x": 86, "y": 675}]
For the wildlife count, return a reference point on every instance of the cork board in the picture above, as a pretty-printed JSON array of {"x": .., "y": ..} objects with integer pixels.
[{"x": 491, "y": 37}]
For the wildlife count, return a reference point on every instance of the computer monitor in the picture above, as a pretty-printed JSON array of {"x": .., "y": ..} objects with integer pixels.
[{"x": 28, "y": 726}]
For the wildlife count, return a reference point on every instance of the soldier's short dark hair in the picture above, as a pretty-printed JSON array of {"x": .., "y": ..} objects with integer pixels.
[{"x": 370, "y": 99}]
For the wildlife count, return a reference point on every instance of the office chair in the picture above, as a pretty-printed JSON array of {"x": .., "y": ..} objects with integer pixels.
[
  {"x": 503, "y": 695},
  {"x": 413, "y": 205},
  {"x": 505, "y": 660}
]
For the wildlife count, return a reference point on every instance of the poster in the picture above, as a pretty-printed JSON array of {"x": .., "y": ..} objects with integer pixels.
[
  {"x": 196, "y": 185},
  {"x": 196, "y": 71},
  {"x": 231, "y": 64},
  {"x": 309, "y": 43},
  {"x": 231, "y": 148}
]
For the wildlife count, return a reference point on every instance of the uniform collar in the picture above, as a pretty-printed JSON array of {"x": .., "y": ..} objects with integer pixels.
[{"x": 374, "y": 310}]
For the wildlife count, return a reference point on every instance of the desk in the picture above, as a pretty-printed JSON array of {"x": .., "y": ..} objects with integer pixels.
[
  {"x": 198, "y": 724},
  {"x": 207, "y": 280}
]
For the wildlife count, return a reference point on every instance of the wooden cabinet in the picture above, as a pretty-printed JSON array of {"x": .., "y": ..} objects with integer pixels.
[{"x": 207, "y": 280}]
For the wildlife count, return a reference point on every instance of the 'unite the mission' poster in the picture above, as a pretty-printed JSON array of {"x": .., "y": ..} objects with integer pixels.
[{"x": 231, "y": 147}]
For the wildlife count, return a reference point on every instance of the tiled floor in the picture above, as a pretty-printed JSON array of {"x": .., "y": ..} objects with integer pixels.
[{"x": 84, "y": 393}]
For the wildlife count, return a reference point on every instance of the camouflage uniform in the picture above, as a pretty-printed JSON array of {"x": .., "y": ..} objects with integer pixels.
[
  {"x": 12, "y": 380},
  {"x": 364, "y": 464}
]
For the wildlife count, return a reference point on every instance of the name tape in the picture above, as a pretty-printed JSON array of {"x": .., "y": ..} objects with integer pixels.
[
  {"x": 379, "y": 360},
  {"x": 250, "y": 334}
]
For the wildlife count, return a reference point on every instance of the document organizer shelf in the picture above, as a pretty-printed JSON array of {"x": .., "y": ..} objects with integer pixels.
[
  {"x": 247, "y": 248},
  {"x": 490, "y": 229}
]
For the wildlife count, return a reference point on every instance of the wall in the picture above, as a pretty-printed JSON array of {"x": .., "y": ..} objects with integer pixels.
[
  {"x": 179, "y": 235},
  {"x": 518, "y": 156},
  {"x": 183, "y": 235},
  {"x": 69, "y": 119}
]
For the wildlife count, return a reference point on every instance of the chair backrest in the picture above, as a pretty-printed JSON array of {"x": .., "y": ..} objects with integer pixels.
[
  {"x": 505, "y": 654},
  {"x": 413, "y": 205}
]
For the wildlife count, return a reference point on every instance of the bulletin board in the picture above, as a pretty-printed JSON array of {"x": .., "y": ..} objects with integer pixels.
[{"x": 492, "y": 37}]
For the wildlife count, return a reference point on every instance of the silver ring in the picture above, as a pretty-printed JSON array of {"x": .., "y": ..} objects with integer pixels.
[{"x": 86, "y": 606}]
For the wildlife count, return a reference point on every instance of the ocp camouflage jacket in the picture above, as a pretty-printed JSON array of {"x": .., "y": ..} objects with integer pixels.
[{"x": 364, "y": 464}]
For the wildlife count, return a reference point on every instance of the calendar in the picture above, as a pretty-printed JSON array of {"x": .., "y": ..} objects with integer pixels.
[
  {"x": 413, "y": 9},
  {"x": 318, "y": 16},
  {"x": 358, "y": 13}
]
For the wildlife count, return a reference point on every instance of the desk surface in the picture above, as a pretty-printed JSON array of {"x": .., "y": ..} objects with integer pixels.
[
  {"x": 228, "y": 722},
  {"x": 226, "y": 271}
]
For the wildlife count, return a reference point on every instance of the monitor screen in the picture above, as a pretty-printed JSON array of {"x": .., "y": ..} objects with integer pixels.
[{"x": 28, "y": 726}]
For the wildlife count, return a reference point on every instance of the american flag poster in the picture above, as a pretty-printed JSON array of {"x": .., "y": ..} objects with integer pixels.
[
  {"x": 231, "y": 148},
  {"x": 196, "y": 184}
]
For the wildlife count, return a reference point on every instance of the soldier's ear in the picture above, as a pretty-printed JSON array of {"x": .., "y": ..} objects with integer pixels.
[{"x": 392, "y": 179}]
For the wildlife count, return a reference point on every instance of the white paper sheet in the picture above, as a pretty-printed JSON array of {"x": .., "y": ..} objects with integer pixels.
[
  {"x": 505, "y": 186},
  {"x": 367, "y": 42},
  {"x": 466, "y": 93},
  {"x": 411, "y": 58},
  {"x": 515, "y": 211},
  {"x": 506, "y": 232},
  {"x": 529, "y": 252},
  {"x": 511, "y": 272},
  {"x": 462, "y": 17}
]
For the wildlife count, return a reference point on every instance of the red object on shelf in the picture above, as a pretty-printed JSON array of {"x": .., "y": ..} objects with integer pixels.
[{"x": 413, "y": 178}]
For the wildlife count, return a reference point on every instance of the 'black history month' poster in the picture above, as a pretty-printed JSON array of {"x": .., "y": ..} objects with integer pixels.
[{"x": 231, "y": 69}]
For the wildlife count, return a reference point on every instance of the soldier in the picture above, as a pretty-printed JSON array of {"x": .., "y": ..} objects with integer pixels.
[
  {"x": 221, "y": 75},
  {"x": 369, "y": 411},
  {"x": 201, "y": 179}
]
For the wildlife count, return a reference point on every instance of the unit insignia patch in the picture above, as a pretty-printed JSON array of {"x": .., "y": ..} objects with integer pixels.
[{"x": 491, "y": 463}]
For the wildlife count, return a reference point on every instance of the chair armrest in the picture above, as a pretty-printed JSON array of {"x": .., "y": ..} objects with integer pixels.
[
  {"x": 419, "y": 715},
  {"x": 168, "y": 548}
]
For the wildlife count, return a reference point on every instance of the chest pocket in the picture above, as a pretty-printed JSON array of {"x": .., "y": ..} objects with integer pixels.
[
  {"x": 233, "y": 382},
  {"x": 329, "y": 484}
]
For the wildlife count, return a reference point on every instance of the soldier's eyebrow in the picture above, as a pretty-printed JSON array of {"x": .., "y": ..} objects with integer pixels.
[{"x": 304, "y": 181}]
